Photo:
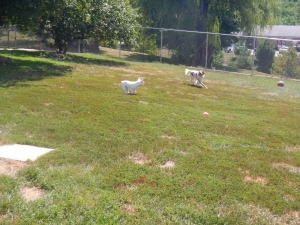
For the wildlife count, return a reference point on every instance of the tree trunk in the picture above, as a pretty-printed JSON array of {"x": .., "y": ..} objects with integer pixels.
[{"x": 202, "y": 25}]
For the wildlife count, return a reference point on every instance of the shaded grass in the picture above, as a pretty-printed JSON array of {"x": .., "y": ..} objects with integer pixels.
[{"x": 224, "y": 164}]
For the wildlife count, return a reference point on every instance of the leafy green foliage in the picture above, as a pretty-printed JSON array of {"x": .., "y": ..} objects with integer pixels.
[
  {"x": 218, "y": 58},
  {"x": 289, "y": 14},
  {"x": 265, "y": 54},
  {"x": 213, "y": 16},
  {"x": 64, "y": 21},
  {"x": 287, "y": 64},
  {"x": 146, "y": 42},
  {"x": 23, "y": 13},
  {"x": 242, "y": 59}
]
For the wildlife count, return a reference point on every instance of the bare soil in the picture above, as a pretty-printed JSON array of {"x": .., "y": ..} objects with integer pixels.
[{"x": 10, "y": 167}]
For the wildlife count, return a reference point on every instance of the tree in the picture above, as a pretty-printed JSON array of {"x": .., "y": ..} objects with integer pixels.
[
  {"x": 24, "y": 13},
  {"x": 265, "y": 54},
  {"x": 289, "y": 13},
  {"x": 64, "y": 21},
  {"x": 287, "y": 64},
  {"x": 208, "y": 16}
]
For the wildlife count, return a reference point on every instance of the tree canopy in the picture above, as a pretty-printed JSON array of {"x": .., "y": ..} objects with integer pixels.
[
  {"x": 208, "y": 16},
  {"x": 60, "y": 22},
  {"x": 67, "y": 20},
  {"x": 19, "y": 12}
]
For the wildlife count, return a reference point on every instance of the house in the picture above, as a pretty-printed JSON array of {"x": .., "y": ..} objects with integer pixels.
[{"x": 282, "y": 35}]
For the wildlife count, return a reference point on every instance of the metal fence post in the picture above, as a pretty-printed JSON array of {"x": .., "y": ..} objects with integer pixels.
[
  {"x": 206, "y": 54},
  {"x": 119, "y": 49},
  {"x": 78, "y": 43},
  {"x": 8, "y": 38},
  {"x": 253, "y": 54},
  {"x": 161, "y": 43},
  {"x": 15, "y": 39}
]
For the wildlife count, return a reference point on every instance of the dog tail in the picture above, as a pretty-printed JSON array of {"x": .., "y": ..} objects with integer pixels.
[{"x": 186, "y": 72}]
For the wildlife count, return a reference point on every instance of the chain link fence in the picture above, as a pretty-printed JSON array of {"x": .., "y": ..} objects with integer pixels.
[
  {"x": 11, "y": 38},
  {"x": 237, "y": 54},
  {"x": 181, "y": 47}
]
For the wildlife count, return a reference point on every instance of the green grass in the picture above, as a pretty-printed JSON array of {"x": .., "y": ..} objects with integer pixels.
[{"x": 240, "y": 165}]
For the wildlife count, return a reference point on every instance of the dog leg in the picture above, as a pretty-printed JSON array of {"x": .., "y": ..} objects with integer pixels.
[
  {"x": 193, "y": 80},
  {"x": 203, "y": 85}
]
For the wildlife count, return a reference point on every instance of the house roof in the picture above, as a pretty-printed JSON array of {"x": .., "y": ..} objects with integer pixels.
[{"x": 283, "y": 31}]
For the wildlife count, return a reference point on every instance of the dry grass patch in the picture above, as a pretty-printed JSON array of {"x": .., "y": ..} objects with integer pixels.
[
  {"x": 10, "y": 167},
  {"x": 31, "y": 193},
  {"x": 48, "y": 103},
  {"x": 125, "y": 188},
  {"x": 289, "y": 198},
  {"x": 292, "y": 148},
  {"x": 260, "y": 180},
  {"x": 251, "y": 178},
  {"x": 142, "y": 102},
  {"x": 291, "y": 168},
  {"x": 129, "y": 209},
  {"x": 168, "y": 137},
  {"x": 254, "y": 214},
  {"x": 168, "y": 164},
  {"x": 144, "y": 181},
  {"x": 139, "y": 158}
]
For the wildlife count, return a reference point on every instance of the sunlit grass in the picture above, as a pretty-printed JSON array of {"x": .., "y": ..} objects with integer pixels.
[{"x": 149, "y": 158}]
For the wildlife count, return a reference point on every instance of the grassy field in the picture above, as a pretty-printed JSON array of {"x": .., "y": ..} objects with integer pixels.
[{"x": 149, "y": 158}]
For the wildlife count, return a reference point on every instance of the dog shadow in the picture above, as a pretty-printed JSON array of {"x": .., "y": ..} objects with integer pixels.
[{"x": 194, "y": 86}]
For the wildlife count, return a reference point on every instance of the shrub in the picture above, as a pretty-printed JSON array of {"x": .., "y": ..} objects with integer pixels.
[
  {"x": 243, "y": 60},
  {"x": 218, "y": 58},
  {"x": 265, "y": 54},
  {"x": 287, "y": 64},
  {"x": 146, "y": 43}
]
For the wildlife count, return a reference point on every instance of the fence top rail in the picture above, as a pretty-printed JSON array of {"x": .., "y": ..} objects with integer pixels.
[{"x": 205, "y": 32}]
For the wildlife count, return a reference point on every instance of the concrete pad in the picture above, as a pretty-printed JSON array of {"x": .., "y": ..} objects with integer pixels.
[{"x": 22, "y": 152}]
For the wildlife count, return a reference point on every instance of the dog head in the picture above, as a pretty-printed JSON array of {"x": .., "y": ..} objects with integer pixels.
[
  {"x": 201, "y": 73},
  {"x": 141, "y": 79}
]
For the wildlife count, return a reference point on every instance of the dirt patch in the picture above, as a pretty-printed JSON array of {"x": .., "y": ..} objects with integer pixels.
[
  {"x": 168, "y": 164},
  {"x": 129, "y": 209},
  {"x": 168, "y": 137},
  {"x": 139, "y": 158},
  {"x": 31, "y": 193},
  {"x": 10, "y": 167},
  {"x": 251, "y": 178},
  {"x": 260, "y": 180}
]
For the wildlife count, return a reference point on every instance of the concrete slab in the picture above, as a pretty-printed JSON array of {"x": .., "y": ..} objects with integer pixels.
[{"x": 22, "y": 152}]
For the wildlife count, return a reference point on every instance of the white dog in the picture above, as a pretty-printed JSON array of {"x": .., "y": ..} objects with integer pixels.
[
  {"x": 130, "y": 86},
  {"x": 196, "y": 76}
]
